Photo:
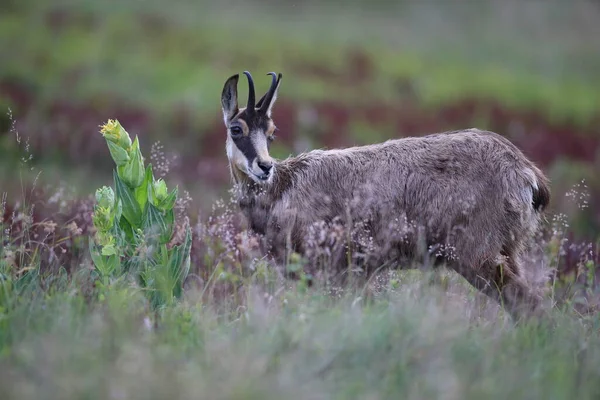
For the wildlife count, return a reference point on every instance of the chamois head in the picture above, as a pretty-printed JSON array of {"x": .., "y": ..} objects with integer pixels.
[{"x": 249, "y": 130}]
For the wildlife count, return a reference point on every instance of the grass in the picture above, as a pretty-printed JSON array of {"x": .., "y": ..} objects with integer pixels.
[{"x": 415, "y": 341}]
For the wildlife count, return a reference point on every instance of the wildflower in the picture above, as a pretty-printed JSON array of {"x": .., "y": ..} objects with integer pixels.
[
  {"x": 25, "y": 219},
  {"x": 118, "y": 141},
  {"x": 127, "y": 155},
  {"x": 74, "y": 229},
  {"x": 115, "y": 133},
  {"x": 9, "y": 257},
  {"x": 49, "y": 226}
]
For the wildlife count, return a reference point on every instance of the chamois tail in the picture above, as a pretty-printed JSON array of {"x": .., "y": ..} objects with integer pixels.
[{"x": 541, "y": 193}]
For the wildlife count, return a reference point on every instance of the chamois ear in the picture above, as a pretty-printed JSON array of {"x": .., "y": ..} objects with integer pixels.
[
  {"x": 229, "y": 101},
  {"x": 265, "y": 104}
]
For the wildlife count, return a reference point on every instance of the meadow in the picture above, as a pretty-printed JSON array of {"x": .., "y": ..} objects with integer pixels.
[{"x": 89, "y": 309}]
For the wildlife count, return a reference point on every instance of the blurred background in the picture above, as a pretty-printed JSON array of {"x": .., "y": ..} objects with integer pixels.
[{"x": 354, "y": 72}]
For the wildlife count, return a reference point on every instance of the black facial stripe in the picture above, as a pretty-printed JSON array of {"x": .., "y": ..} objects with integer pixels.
[{"x": 244, "y": 144}]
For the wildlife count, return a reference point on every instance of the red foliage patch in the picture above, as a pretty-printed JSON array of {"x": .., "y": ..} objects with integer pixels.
[{"x": 71, "y": 129}]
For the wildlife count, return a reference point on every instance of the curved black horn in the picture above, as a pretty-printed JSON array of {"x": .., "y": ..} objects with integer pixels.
[
  {"x": 251, "y": 95},
  {"x": 264, "y": 103}
]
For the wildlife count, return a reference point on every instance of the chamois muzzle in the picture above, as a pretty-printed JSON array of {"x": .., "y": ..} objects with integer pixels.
[{"x": 265, "y": 167}]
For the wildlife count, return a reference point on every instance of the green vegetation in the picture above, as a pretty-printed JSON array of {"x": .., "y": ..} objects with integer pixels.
[
  {"x": 134, "y": 227},
  {"x": 408, "y": 340},
  {"x": 139, "y": 292}
]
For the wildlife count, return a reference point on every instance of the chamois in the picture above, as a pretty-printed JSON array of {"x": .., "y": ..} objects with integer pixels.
[{"x": 471, "y": 193}]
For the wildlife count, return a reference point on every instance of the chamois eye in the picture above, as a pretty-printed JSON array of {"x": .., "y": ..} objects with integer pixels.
[
  {"x": 270, "y": 138},
  {"x": 236, "y": 132}
]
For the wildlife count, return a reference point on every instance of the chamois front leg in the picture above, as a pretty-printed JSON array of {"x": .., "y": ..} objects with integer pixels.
[{"x": 504, "y": 284}]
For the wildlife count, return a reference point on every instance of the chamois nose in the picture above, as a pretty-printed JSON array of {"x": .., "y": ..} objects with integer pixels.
[{"x": 265, "y": 166}]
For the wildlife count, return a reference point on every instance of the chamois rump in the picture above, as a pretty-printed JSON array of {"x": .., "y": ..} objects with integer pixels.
[{"x": 471, "y": 195}]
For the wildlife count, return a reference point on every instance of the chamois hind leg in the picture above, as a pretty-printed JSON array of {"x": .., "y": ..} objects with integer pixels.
[{"x": 503, "y": 282}]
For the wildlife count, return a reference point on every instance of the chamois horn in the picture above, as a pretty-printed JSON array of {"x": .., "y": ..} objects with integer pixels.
[
  {"x": 264, "y": 103},
  {"x": 251, "y": 94}
]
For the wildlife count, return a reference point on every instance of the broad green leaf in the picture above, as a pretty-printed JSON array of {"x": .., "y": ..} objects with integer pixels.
[
  {"x": 141, "y": 192},
  {"x": 112, "y": 264},
  {"x": 132, "y": 172},
  {"x": 131, "y": 209},
  {"x": 179, "y": 263},
  {"x": 126, "y": 229},
  {"x": 154, "y": 224},
  {"x": 187, "y": 247},
  {"x": 96, "y": 257},
  {"x": 109, "y": 250},
  {"x": 118, "y": 210},
  {"x": 164, "y": 254},
  {"x": 169, "y": 202},
  {"x": 169, "y": 218},
  {"x": 118, "y": 154},
  {"x": 175, "y": 260}
]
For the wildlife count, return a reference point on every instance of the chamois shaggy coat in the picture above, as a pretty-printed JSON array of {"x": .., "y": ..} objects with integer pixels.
[{"x": 469, "y": 198}]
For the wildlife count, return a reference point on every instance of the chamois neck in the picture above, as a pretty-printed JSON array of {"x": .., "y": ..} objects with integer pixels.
[{"x": 283, "y": 177}]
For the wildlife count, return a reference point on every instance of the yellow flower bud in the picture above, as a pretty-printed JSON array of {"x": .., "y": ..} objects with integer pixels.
[{"x": 114, "y": 132}]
